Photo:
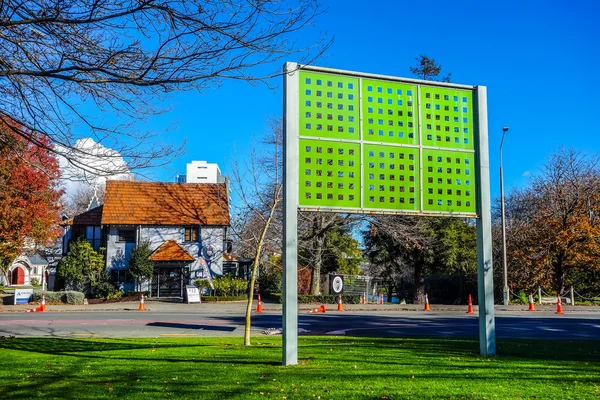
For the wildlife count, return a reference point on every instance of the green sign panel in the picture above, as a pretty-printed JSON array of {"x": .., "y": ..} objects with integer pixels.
[{"x": 375, "y": 145}]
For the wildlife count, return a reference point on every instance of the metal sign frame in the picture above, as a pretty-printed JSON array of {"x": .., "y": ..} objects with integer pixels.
[{"x": 478, "y": 150}]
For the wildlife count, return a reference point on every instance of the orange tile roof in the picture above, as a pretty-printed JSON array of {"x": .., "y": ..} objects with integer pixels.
[
  {"x": 150, "y": 203},
  {"x": 171, "y": 251},
  {"x": 90, "y": 217}
]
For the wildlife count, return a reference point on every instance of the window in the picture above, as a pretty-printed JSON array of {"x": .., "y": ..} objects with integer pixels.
[
  {"x": 120, "y": 276},
  {"x": 191, "y": 234},
  {"x": 127, "y": 236}
]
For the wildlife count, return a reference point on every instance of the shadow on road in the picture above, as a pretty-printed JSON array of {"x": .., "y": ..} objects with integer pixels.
[{"x": 192, "y": 326}]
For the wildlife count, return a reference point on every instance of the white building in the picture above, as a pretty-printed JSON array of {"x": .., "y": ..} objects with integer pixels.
[
  {"x": 185, "y": 225},
  {"x": 201, "y": 172}
]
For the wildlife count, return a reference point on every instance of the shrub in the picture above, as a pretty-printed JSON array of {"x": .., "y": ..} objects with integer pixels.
[
  {"x": 35, "y": 281},
  {"x": 229, "y": 286},
  {"x": 217, "y": 299},
  {"x": 68, "y": 297},
  {"x": 269, "y": 281},
  {"x": 74, "y": 297},
  {"x": 202, "y": 284},
  {"x": 105, "y": 290},
  {"x": 115, "y": 295}
]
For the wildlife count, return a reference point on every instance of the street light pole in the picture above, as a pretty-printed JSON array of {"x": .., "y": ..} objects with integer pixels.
[{"x": 505, "y": 291}]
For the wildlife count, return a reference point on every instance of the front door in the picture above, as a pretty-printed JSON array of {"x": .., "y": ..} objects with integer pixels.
[
  {"x": 18, "y": 276},
  {"x": 168, "y": 281}
]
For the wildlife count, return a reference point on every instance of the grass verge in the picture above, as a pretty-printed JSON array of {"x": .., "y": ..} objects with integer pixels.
[{"x": 330, "y": 368}]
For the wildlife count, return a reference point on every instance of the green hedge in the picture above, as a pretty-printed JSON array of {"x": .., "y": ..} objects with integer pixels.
[
  {"x": 320, "y": 298},
  {"x": 67, "y": 297},
  {"x": 218, "y": 299}
]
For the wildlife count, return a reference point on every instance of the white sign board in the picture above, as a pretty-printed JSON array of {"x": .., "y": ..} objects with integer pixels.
[
  {"x": 193, "y": 294},
  {"x": 23, "y": 296}
]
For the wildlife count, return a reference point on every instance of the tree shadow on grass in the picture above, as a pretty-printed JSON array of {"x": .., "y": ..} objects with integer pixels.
[{"x": 91, "y": 348}]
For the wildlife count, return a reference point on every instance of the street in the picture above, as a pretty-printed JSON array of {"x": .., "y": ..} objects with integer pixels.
[{"x": 228, "y": 320}]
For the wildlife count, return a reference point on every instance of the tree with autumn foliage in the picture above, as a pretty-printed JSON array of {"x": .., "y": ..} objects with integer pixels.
[
  {"x": 29, "y": 193},
  {"x": 553, "y": 226}
]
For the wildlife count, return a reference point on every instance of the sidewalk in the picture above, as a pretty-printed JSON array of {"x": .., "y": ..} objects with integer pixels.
[{"x": 240, "y": 307}]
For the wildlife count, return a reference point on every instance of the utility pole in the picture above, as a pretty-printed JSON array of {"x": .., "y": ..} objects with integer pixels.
[{"x": 505, "y": 290}]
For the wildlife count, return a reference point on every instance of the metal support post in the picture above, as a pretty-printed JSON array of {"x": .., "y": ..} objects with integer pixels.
[
  {"x": 540, "y": 295},
  {"x": 290, "y": 215},
  {"x": 485, "y": 275},
  {"x": 572, "y": 296}
]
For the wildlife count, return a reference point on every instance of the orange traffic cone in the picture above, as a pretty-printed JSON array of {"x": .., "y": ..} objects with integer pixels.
[
  {"x": 142, "y": 303},
  {"x": 559, "y": 309},
  {"x": 340, "y": 305},
  {"x": 259, "y": 306},
  {"x": 380, "y": 297},
  {"x": 470, "y": 308},
  {"x": 531, "y": 304},
  {"x": 322, "y": 308},
  {"x": 43, "y": 306},
  {"x": 426, "y": 303},
  {"x": 364, "y": 299}
]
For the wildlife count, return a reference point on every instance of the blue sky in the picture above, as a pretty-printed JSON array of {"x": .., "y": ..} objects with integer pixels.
[{"x": 539, "y": 60}]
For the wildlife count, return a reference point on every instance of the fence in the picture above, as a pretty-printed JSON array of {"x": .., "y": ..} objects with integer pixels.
[
  {"x": 541, "y": 296},
  {"x": 357, "y": 285}
]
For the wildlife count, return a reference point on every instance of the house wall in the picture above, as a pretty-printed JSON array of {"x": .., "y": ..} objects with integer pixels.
[{"x": 206, "y": 263}]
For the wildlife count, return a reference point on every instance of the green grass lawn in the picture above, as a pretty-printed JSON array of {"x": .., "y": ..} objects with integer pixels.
[{"x": 330, "y": 368}]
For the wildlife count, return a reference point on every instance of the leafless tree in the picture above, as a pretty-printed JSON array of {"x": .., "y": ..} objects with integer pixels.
[
  {"x": 258, "y": 182},
  {"x": 59, "y": 58},
  {"x": 80, "y": 201},
  {"x": 313, "y": 228}
]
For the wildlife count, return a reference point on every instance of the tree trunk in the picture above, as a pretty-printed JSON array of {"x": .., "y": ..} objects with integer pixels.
[
  {"x": 559, "y": 272},
  {"x": 390, "y": 290},
  {"x": 419, "y": 279},
  {"x": 248, "y": 321},
  {"x": 319, "y": 244}
]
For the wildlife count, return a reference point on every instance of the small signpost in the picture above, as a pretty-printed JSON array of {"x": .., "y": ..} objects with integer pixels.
[
  {"x": 23, "y": 296},
  {"x": 374, "y": 144},
  {"x": 192, "y": 294}
]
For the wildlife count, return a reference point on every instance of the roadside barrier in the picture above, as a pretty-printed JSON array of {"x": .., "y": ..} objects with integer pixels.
[
  {"x": 316, "y": 310},
  {"x": 559, "y": 309},
  {"x": 426, "y": 303},
  {"x": 142, "y": 308},
  {"x": 259, "y": 306},
  {"x": 531, "y": 303},
  {"x": 470, "y": 308},
  {"x": 340, "y": 305}
]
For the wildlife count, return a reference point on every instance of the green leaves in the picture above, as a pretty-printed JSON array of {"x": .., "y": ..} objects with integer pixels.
[
  {"x": 140, "y": 266},
  {"x": 82, "y": 268}
]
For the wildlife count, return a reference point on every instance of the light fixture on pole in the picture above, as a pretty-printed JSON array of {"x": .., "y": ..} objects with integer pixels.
[{"x": 505, "y": 290}]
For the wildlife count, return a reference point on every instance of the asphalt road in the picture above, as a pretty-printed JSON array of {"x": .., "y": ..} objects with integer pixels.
[{"x": 183, "y": 323}]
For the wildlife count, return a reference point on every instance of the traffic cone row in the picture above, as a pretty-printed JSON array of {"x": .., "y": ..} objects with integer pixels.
[
  {"x": 259, "y": 306},
  {"x": 316, "y": 310},
  {"x": 559, "y": 309},
  {"x": 470, "y": 308},
  {"x": 141, "y": 308},
  {"x": 41, "y": 308},
  {"x": 531, "y": 304},
  {"x": 426, "y": 303}
]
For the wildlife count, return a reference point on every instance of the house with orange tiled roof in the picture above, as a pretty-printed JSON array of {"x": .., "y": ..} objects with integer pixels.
[{"x": 185, "y": 223}]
